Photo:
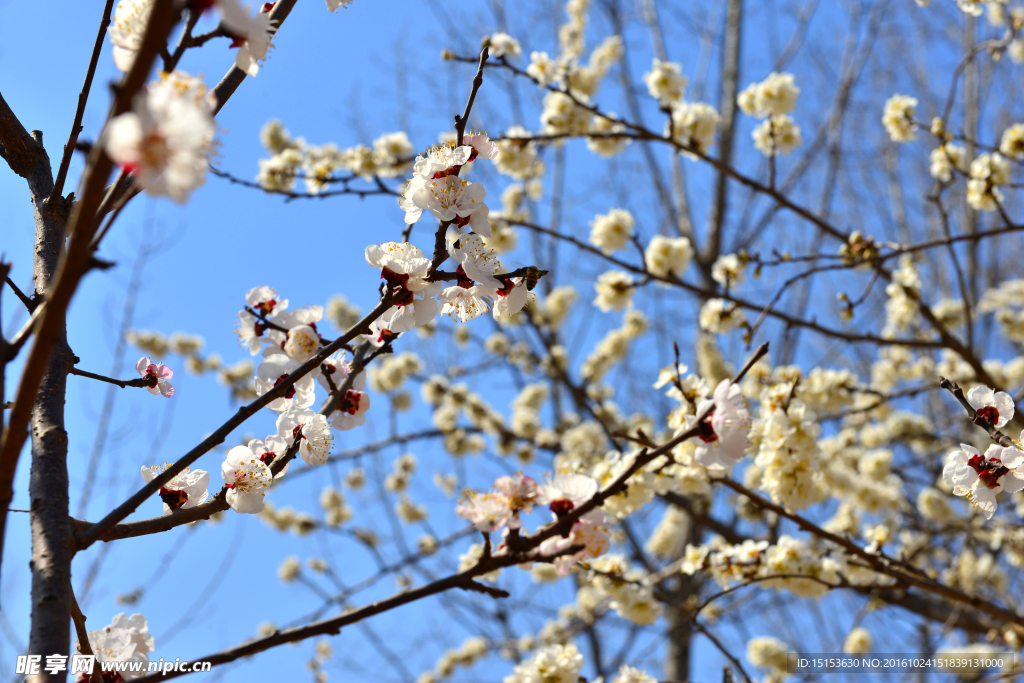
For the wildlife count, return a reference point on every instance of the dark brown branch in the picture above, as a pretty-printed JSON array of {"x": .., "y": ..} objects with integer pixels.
[
  {"x": 380, "y": 189},
  {"x": 17, "y": 147},
  {"x": 84, "y": 646},
  {"x": 29, "y": 303},
  {"x": 478, "y": 80},
  {"x": 139, "y": 382},
  {"x": 83, "y": 97}
]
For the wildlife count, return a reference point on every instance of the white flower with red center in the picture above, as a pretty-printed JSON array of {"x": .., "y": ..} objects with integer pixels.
[
  {"x": 993, "y": 406},
  {"x": 510, "y": 299},
  {"x": 452, "y": 199},
  {"x": 127, "y": 27},
  {"x": 486, "y": 511},
  {"x": 401, "y": 264},
  {"x": 301, "y": 343},
  {"x": 521, "y": 492},
  {"x": 274, "y": 370},
  {"x": 251, "y": 34},
  {"x": 187, "y": 489},
  {"x": 380, "y": 334},
  {"x": 980, "y": 477},
  {"x": 308, "y": 316},
  {"x": 566, "y": 492},
  {"x": 351, "y": 411},
  {"x": 442, "y": 160},
  {"x": 311, "y": 429},
  {"x": 265, "y": 300},
  {"x": 725, "y": 436},
  {"x": 335, "y": 370},
  {"x": 246, "y": 477},
  {"x": 464, "y": 303},
  {"x": 417, "y": 308},
  {"x": 125, "y": 639},
  {"x": 155, "y": 376},
  {"x": 482, "y": 146},
  {"x": 251, "y": 329},
  {"x": 589, "y": 531},
  {"x": 476, "y": 261},
  {"x": 270, "y": 449},
  {"x": 439, "y": 162},
  {"x": 164, "y": 141}
]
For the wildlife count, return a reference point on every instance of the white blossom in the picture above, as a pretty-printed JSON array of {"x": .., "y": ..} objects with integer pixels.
[
  {"x": 775, "y": 95},
  {"x": 944, "y": 159},
  {"x": 694, "y": 125},
  {"x": 995, "y": 406},
  {"x": 311, "y": 429},
  {"x": 723, "y": 439},
  {"x": 665, "y": 82},
  {"x": 898, "y": 118},
  {"x": 777, "y": 133},
  {"x": 246, "y": 477},
  {"x": 164, "y": 141},
  {"x": 156, "y": 376},
  {"x": 125, "y": 639},
  {"x": 502, "y": 45},
  {"x": 980, "y": 477},
  {"x": 668, "y": 256},
  {"x": 185, "y": 490},
  {"x": 275, "y": 369},
  {"x": 542, "y": 68},
  {"x": 615, "y": 290},
  {"x": 611, "y": 231},
  {"x": 127, "y": 28}
]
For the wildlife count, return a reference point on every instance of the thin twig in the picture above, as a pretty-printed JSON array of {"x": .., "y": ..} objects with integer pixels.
[
  {"x": 84, "y": 646},
  {"x": 140, "y": 382},
  {"x": 29, "y": 303},
  {"x": 83, "y": 97}
]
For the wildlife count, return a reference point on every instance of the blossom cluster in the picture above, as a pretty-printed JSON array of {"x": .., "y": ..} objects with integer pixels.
[
  {"x": 772, "y": 100},
  {"x": 500, "y": 508},
  {"x": 318, "y": 167},
  {"x": 125, "y": 639}
]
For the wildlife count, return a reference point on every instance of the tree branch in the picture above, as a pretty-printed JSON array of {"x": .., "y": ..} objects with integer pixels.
[
  {"x": 83, "y": 97},
  {"x": 139, "y": 382}
]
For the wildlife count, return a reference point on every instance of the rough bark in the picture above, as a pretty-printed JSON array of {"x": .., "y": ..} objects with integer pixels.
[{"x": 52, "y": 534}]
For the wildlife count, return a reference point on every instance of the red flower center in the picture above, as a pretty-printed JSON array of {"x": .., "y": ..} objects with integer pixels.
[
  {"x": 268, "y": 458},
  {"x": 174, "y": 499},
  {"x": 507, "y": 289},
  {"x": 350, "y": 404},
  {"x": 989, "y": 470},
  {"x": 393, "y": 277},
  {"x": 704, "y": 430},
  {"x": 989, "y": 414},
  {"x": 463, "y": 280},
  {"x": 562, "y": 506},
  {"x": 264, "y": 307},
  {"x": 291, "y": 390}
]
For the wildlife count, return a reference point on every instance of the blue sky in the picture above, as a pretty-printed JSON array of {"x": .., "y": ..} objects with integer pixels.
[{"x": 343, "y": 78}]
